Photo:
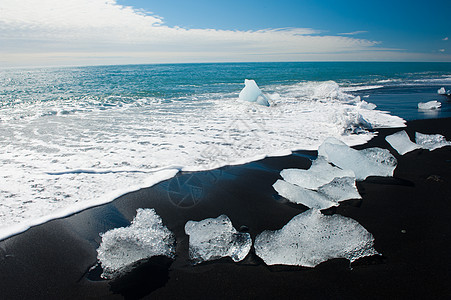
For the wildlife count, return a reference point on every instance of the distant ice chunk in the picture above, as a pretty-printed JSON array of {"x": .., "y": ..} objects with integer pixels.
[
  {"x": 212, "y": 239},
  {"x": 311, "y": 238},
  {"x": 364, "y": 163},
  {"x": 300, "y": 195},
  {"x": 320, "y": 173},
  {"x": 429, "y": 105},
  {"x": 401, "y": 142},
  {"x": 252, "y": 93},
  {"x": 441, "y": 91},
  {"x": 431, "y": 141},
  {"x": 144, "y": 238}
]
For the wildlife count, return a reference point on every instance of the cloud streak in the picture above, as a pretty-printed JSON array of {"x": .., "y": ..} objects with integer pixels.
[
  {"x": 353, "y": 32},
  {"x": 49, "y": 29}
]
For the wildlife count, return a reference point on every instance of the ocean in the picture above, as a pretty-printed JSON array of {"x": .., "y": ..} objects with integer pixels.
[{"x": 76, "y": 137}]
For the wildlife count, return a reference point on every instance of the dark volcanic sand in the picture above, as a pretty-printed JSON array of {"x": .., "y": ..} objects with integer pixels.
[{"x": 409, "y": 216}]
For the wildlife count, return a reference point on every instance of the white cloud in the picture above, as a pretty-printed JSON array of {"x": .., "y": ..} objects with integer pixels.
[
  {"x": 76, "y": 29},
  {"x": 441, "y": 50},
  {"x": 445, "y": 39},
  {"x": 353, "y": 32}
]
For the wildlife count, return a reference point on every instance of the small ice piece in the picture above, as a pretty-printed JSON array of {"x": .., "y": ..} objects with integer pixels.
[
  {"x": 319, "y": 173},
  {"x": 145, "y": 237},
  {"x": 441, "y": 91},
  {"x": 340, "y": 189},
  {"x": 401, "y": 142},
  {"x": 252, "y": 93},
  {"x": 429, "y": 105},
  {"x": 212, "y": 239},
  {"x": 311, "y": 238},
  {"x": 300, "y": 195},
  {"x": 431, "y": 141},
  {"x": 364, "y": 163}
]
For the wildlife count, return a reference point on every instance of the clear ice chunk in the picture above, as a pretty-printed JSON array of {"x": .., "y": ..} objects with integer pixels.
[
  {"x": 320, "y": 173},
  {"x": 441, "y": 91},
  {"x": 401, "y": 142},
  {"x": 340, "y": 189},
  {"x": 364, "y": 163},
  {"x": 145, "y": 237},
  {"x": 431, "y": 141},
  {"x": 311, "y": 238},
  {"x": 252, "y": 93},
  {"x": 215, "y": 238},
  {"x": 429, "y": 105},
  {"x": 300, "y": 195}
]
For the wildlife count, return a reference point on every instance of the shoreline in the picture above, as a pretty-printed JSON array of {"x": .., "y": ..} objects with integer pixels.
[{"x": 407, "y": 215}]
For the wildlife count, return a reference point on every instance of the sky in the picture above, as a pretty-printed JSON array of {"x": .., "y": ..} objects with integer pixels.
[{"x": 102, "y": 32}]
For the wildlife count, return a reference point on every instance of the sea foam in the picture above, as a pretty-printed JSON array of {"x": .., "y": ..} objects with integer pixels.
[{"x": 61, "y": 155}]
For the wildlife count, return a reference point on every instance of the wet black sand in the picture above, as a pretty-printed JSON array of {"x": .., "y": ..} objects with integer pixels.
[{"x": 409, "y": 216}]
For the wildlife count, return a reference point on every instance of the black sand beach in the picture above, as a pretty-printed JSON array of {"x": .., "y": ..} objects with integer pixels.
[{"x": 408, "y": 215}]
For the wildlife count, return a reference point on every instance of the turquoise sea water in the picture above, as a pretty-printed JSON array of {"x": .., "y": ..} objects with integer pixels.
[{"x": 77, "y": 136}]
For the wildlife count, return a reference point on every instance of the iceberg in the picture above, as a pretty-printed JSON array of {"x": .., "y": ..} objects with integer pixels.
[
  {"x": 212, "y": 239},
  {"x": 401, "y": 142},
  {"x": 431, "y": 141},
  {"x": 144, "y": 238},
  {"x": 311, "y": 238},
  {"x": 429, "y": 105},
  {"x": 441, "y": 91},
  {"x": 364, "y": 163},
  {"x": 320, "y": 172},
  {"x": 252, "y": 93}
]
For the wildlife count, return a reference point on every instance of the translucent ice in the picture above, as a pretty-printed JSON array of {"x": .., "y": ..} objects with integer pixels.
[
  {"x": 364, "y": 163},
  {"x": 401, "y": 142},
  {"x": 320, "y": 173},
  {"x": 311, "y": 238},
  {"x": 429, "y": 105},
  {"x": 441, "y": 91},
  {"x": 252, "y": 93},
  {"x": 212, "y": 239},
  {"x": 144, "y": 238},
  {"x": 431, "y": 141},
  {"x": 340, "y": 189},
  {"x": 300, "y": 195}
]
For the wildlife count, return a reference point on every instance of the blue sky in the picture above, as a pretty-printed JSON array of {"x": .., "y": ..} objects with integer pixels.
[{"x": 80, "y": 32}]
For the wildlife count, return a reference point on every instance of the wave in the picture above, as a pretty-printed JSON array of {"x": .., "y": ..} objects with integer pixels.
[{"x": 57, "y": 164}]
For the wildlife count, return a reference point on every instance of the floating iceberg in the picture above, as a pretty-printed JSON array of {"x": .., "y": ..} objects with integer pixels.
[
  {"x": 431, "y": 141},
  {"x": 145, "y": 237},
  {"x": 300, "y": 195},
  {"x": 320, "y": 173},
  {"x": 252, "y": 93},
  {"x": 401, "y": 142},
  {"x": 429, "y": 105},
  {"x": 311, "y": 238},
  {"x": 364, "y": 163},
  {"x": 441, "y": 91},
  {"x": 212, "y": 239}
]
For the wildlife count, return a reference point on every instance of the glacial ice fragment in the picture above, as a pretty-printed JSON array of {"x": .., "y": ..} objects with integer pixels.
[
  {"x": 429, "y": 105},
  {"x": 145, "y": 237},
  {"x": 328, "y": 195},
  {"x": 300, "y": 195},
  {"x": 252, "y": 93},
  {"x": 401, "y": 142},
  {"x": 364, "y": 163},
  {"x": 441, "y": 91},
  {"x": 431, "y": 141},
  {"x": 319, "y": 173},
  {"x": 311, "y": 238},
  {"x": 214, "y": 238}
]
